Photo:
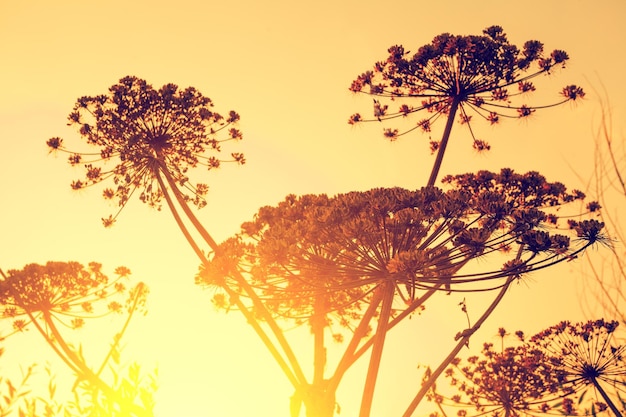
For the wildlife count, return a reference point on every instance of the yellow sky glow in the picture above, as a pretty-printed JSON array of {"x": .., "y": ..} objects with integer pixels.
[{"x": 286, "y": 68}]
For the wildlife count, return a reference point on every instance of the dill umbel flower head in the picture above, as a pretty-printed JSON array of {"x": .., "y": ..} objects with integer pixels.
[
  {"x": 517, "y": 381},
  {"x": 341, "y": 249},
  {"x": 155, "y": 135},
  {"x": 586, "y": 353},
  {"x": 65, "y": 291},
  {"x": 476, "y": 76}
]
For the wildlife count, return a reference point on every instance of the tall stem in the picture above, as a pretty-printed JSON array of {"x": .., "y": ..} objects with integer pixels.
[
  {"x": 414, "y": 306},
  {"x": 244, "y": 309},
  {"x": 463, "y": 340},
  {"x": 276, "y": 330},
  {"x": 377, "y": 349},
  {"x": 351, "y": 354},
  {"x": 74, "y": 361},
  {"x": 319, "y": 350},
  {"x": 444, "y": 142},
  {"x": 54, "y": 347},
  {"x": 349, "y": 357},
  {"x": 318, "y": 398}
]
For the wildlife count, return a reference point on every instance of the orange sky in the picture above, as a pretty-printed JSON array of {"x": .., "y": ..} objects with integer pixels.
[{"x": 286, "y": 68}]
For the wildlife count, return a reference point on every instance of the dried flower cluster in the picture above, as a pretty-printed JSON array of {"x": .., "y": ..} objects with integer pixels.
[
  {"x": 362, "y": 257},
  {"x": 590, "y": 360},
  {"x": 152, "y": 133},
  {"x": 515, "y": 381},
  {"x": 341, "y": 248},
  {"x": 61, "y": 295},
  {"x": 478, "y": 75},
  {"x": 547, "y": 374},
  {"x": 63, "y": 290}
]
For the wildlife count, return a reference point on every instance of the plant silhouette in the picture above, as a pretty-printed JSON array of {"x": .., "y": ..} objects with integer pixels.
[
  {"x": 343, "y": 264},
  {"x": 62, "y": 295},
  {"x": 585, "y": 353},
  {"x": 608, "y": 183},
  {"x": 518, "y": 380},
  {"x": 549, "y": 373},
  {"x": 366, "y": 260},
  {"x": 469, "y": 75},
  {"x": 157, "y": 136}
]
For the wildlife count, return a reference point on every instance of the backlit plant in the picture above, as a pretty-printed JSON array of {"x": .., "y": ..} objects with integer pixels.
[
  {"x": 588, "y": 356},
  {"x": 155, "y": 137},
  {"x": 478, "y": 76},
  {"x": 61, "y": 295},
  {"x": 516, "y": 381},
  {"x": 550, "y": 373},
  {"x": 342, "y": 264}
]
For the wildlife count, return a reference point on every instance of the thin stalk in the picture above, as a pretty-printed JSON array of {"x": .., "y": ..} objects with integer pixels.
[
  {"x": 410, "y": 309},
  {"x": 319, "y": 351},
  {"x": 444, "y": 142},
  {"x": 349, "y": 357},
  {"x": 72, "y": 360},
  {"x": 54, "y": 347},
  {"x": 183, "y": 204},
  {"x": 393, "y": 323},
  {"x": 319, "y": 400},
  {"x": 463, "y": 340},
  {"x": 276, "y": 330},
  {"x": 377, "y": 350},
  {"x": 87, "y": 373},
  {"x": 607, "y": 399},
  {"x": 244, "y": 309},
  {"x": 120, "y": 334},
  {"x": 609, "y": 145},
  {"x": 50, "y": 340}
]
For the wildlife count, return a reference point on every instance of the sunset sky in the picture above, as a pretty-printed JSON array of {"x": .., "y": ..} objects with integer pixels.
[{"x": 285, "y": 67}]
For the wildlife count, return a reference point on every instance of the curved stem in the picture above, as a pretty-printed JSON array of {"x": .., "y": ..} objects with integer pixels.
[
  {"x": 463, "y": 340},
  {"x": 244, "y": 309},
  {"x": 119, "y": 335},
  {"x": 183, "y": 204},
  {"x": 57, "y": 347},
  {"x": 444, "y": 142},
  {"x": 72, "y": 360},
  {"x": 416, "y": 304},
  {"x": 85, "y": 373},
  {"x": 276, "y": 330},
  {"x": 54, "y": 347}
]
